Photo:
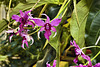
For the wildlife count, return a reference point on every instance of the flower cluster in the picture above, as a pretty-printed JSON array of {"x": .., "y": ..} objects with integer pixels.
[
  {"x": 79, "y": 52},
  {"x": 54, "y": 64},
  {"x": 26, "y": 19}
]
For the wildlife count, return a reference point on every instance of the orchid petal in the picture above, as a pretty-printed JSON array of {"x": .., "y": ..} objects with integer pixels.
[
  {"x": 31, "y": 23},
  {"x": 86, "y": 57},
  {"x": 10, "y": 37},
  {"x": 48, "y": 65},
  {"x": 26, "y": 12},
  {"x": 76, "y": 60},
  {"x": 71, "y": 43},
  {"x": 54, "y": 63},
  {"x": 16, "y": 18},
  {"x": 97, "y": 65},
  {"x": 21, "y": 13},
  {"x": 26, "y": 43},
  {"x": 42, "y": 29},
  {"x": 48, "y": 19},
  {"x": 39, "y": 35},
  {"x": 47, "y": 34},
  {"x": 53, "y": 29},
  {"x": 38, "y": 22},
  {"x": 55, "y": 22},
  {"x": 75, "y": 45},
  {"x": 23, "y": 41},
  {"x": 10, "y": 31}
]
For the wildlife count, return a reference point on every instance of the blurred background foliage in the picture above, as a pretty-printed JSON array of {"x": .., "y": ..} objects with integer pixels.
[{"x": 80, "y": 21}]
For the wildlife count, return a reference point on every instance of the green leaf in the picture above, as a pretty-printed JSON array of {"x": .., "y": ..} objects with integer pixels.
[
  {"x": 45, "y": 1},
  {"x": 24, "y": 7},
  {"x": 93, "y": 26},
  {"x": 3, "y": 24},
  {"x": 78, "y": 21}
]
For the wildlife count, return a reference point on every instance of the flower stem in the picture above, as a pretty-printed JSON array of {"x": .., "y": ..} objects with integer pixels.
[
  {"x": 35, "y": 5},
  {"x": 43, "y": 9},
  {"x": 93, "y": 57},
  {"x": 9, "y": 13},
  {"x": 90, "y": 47},
  {"x": 58, "y": 55},
  {"x": 34, "y": 32},
  {"x": 63, "y": 7}
]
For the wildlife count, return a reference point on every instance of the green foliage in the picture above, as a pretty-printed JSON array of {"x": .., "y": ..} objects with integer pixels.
[
  {"x": 45, "y": 1},
  {"x": 78, "y": 21},
  {"x": 82, "y": 13},
  {"x": 23, "y": 7},
  {"x": 93, "y": 26},
  {"x": 3, "y": 23}
]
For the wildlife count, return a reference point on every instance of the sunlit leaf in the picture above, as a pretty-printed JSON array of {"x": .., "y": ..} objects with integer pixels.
[
  {"x": 3, "y": 24},
  {"x": 93, "y": 27},
  {"x": 78, "y": 21},
  {"x": 24, "y": 7}
]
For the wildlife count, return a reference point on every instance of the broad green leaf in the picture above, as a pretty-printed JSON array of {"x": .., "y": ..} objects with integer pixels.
[
  {"x": 24, "y": 7},
  {"x": 3, "y": 24},
  {"x": 45, "y": 1},
  {"x": 78, "y": 21},
  {"x": 93, "y": 26}
]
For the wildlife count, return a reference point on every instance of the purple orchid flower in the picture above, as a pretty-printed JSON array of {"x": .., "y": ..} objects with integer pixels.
[
  {"x": 24, "y": 35},
  {"x": 12, "y": 33},
  {"x": 23, "y": 19},
  {"x": 97, "y": 65},
  {"x": 54, "y": 64},
  {"x": 47, "y": 26},
  {"x": 79, "y": 52},
  {"x": 25, "y": 40},
  {"x": 80, "y": 65}
]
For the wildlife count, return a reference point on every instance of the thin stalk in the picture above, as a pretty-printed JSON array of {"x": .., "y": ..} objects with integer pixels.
[
  {"x": 34, "y": 32},
  {"x": 58, "y": 56},
  {"x": 35, "y": 5},
  {"x": 43, "y": 9},
  {"x": 9, "y": 13},
  {"x": 62, "y": 8},
  {"x": 64, "y": 12},
  {"x": 66, "y": 51},
  {"x": 90, "y": 47},
  {"x": 93, "y": 57},
  {"x": 97, "y": 40}
]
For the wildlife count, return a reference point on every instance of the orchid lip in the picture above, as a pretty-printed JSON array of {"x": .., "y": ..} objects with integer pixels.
[{"x": 47, "y": 26}]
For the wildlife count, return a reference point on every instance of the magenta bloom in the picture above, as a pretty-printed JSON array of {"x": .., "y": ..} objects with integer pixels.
[
  {"x": 79, "y": 52},
  {"x": 12, "y": 33},
  {"x": 25, "y": 40},
  {"x": 23, "y": 19},
  {"x": 54, "y": 64},
  {"x": 47, "y": 26},
  {"x": 80, "y": 65},
  {"x": 24, "y": 35},
  {"x": 97, "y": 65}
]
